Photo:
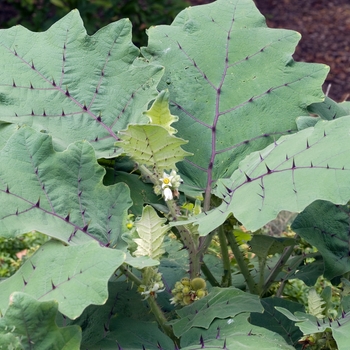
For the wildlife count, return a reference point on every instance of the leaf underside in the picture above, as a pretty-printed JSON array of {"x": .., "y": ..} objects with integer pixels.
[{"x": 287, "y": 175}]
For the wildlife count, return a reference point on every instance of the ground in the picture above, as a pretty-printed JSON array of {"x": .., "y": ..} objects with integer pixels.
[{"x": 325, "y": 29}]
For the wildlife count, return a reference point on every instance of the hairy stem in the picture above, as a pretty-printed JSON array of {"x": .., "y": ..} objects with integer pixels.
[
  {"x": 155, "y": 308},
  {"x": 277, "y": 268},
  {"x": 161, "y": 319},
  {"x": 226, "y": 278},
  {"x": 241, "y": 263}
]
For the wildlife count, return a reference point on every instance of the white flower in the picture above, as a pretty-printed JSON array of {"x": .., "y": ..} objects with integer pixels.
[
  {"x": 168, "y": 194},
  {"x": 153, "y": 291},
  {"x": 166, "y": 179}
]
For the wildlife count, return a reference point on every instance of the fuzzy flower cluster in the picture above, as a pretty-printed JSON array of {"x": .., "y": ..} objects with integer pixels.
[
  {"x": 154, "y": 286},
  {"x": 170, "y": 184},
  {"x": 187, "y": 291}
]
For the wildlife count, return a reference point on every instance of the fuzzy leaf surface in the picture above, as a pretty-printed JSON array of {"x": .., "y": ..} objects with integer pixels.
[
  {"x": 238, "y": 90},
  {"x": 60, "y": 194},
  {"x": 73, "y": 85},
  {"x": 151, "y": 230},
  {"x": 33, "y": 324},
  {"x": 153, "y": 146},
  {"x": 74, "y": 276},
  {"x": 159, "y": 113},
  {"x": 288, "y": 175},
  {"x": 326, "y": 226},
  {"x": 219, "y": 303}
]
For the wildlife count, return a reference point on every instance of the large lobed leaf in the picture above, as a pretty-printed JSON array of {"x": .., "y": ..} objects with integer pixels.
[
  {"x": 74, "y": 276},
  {"x": 60, "y": 194},
  {"x": 232, "y": 82},
  {"x": 287, "y": 175},
  {"x": 30, "y": 324},
  {"x": 73, "y": 85}
]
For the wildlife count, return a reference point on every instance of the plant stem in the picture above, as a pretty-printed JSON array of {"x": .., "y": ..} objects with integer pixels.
[
  {"x": 241, "y": 263},
  {"x": 162, "y": 321},
  {"x": 226, "y": 278},
  {"x": 130, "y": 275},
  {"x": 155, "y": 308},
  {"x": 277, "y": 268},
  {"x": 209, "y": 276}
]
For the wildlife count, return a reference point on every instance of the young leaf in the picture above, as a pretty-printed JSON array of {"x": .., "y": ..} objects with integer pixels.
[
  {"x": 287, "y": 175},
  {"x": 315, "y": 304},
  {"x": 33, "y": 324},
  {"x": 74, "y": 276},
  {"x": 159, "y": 113},
  {"x": 60, "y": 194},
  {"x": 153, "y": 146},
  {"x": 232, "y": 82},
  {"x": 151, "y": 230},
  {"x": 73, "y": 85}
]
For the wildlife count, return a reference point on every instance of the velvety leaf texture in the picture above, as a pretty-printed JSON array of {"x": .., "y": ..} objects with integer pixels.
[
  {"x": 287, "y": 175},
  {"x": 58, "y": 193},
  {"x": 232, "y": 82},
  {"x": 74, "y": 276},
  {"x": 33, "y": 324},
  {"x": 73, "y": 85}
]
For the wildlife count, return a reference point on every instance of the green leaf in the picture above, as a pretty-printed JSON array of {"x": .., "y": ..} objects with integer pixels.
[
  {"x": 33, "y": 324},
  {"x": 263, "y": 245},
  {"x": 219, "y": 303},
  {"x": 329, "y": 109},
  {"x": 141, "y": 193},
  {"x": 232, "y": 82},
  {"x": 151, "y": 230},
  {"x": 326, "y": 226},
  {"x": 153, "y": 146},
  {"x": 130, "y": 334},
  {"x": 159, "y": 113},
  {"x": 276, "y": 322},
  {"x": 309, "y": 324},
  {"x": 75, "y": 86},
  {"x": 74, "y": 276},
  {"x": 233, "y": 333},
  {"x": 60, "y": 194},
  {"x": 96, "y": 321},
  {"x": 315, "y": 304},
  {"x": 287, "y": 175}
]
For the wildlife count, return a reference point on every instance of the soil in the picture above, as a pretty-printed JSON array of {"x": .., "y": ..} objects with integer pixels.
[{"x": 325, "y": 29}]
